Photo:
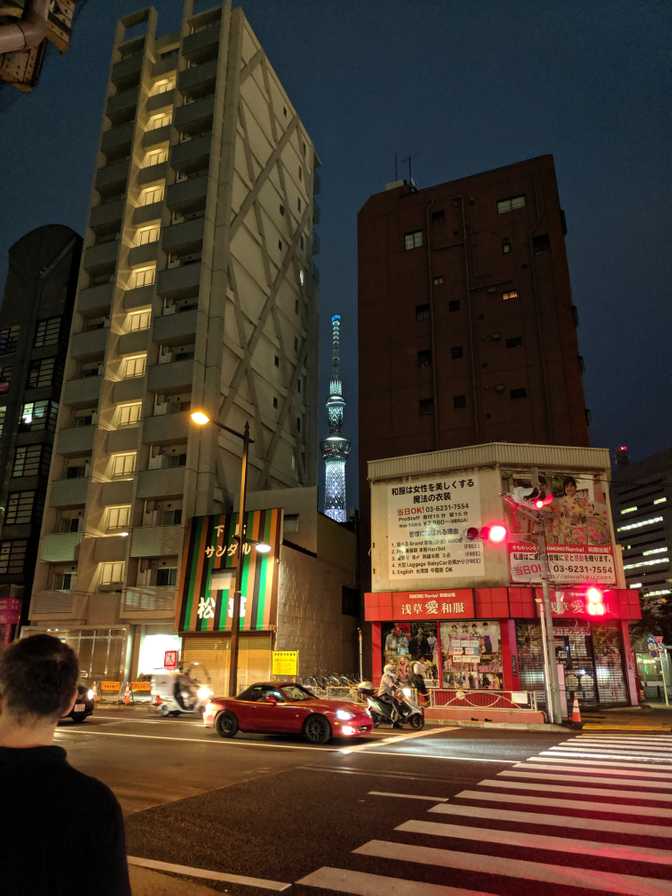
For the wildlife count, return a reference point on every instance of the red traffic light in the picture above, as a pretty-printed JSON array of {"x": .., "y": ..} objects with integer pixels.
[
  {"x": 595, "y": 601},
  {"x": 495, "y": 533}
]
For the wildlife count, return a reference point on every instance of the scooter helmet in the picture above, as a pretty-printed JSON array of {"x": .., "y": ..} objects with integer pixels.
[
  {"x": 365, "y": 686},
  {"x": 389, "y": 669}
]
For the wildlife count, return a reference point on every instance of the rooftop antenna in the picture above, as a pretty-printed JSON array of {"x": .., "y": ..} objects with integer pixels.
[{"x": 409, "y": 159}]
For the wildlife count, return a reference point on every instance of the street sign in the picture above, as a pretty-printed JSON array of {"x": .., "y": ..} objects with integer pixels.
[
  {"x": 170, "y": 659},
  {"x": 285, "y": 662}
]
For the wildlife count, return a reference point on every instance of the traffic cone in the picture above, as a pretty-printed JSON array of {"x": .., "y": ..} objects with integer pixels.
[
  {"x": 128, "y": 695},
  {"x": 575, "y": 720}
]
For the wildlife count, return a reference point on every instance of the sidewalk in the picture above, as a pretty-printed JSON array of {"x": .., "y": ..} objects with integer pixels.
[
  {"x": 153, "y": 883},
  {"x": 648, "y": 717}
]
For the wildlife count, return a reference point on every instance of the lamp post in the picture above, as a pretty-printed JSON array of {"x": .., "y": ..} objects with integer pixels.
[{"x": 201, "y": 418}]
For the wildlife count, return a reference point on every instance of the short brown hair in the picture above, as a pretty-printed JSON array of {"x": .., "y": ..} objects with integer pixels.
[{"x": 38, "y": 677}]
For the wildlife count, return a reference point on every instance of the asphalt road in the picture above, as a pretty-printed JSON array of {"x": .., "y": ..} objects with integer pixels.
[{"x": 445, "y": 812}]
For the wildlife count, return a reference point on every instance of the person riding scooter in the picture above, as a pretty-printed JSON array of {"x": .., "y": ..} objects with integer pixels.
[{"x": 387, "y": 690}]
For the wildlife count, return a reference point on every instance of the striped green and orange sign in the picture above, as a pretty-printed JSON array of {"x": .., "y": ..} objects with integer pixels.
[{"x": 210, "y": 551}]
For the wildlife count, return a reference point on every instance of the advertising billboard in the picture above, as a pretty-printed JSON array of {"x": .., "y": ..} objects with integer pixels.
[{"x": 575, "y": 516}]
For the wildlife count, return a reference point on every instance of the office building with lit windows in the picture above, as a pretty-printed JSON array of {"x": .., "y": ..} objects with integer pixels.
[
  {"x": 34, "y": 327},
  {"x": 196, "y": 289}
]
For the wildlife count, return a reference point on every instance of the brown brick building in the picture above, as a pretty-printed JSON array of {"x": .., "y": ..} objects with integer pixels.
[{"x": 467, "y": 331}]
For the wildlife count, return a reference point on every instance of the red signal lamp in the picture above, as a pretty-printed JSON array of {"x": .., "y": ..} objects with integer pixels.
[
  {"x": 495, "y": 533},
  {"x": 595, "y": 601}
]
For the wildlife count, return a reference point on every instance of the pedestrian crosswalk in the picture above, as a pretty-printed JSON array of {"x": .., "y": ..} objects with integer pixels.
[{"x": 592, "y": 814}]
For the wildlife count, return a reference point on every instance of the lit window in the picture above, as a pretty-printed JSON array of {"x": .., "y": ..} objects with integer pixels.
[
  {"x": 12, "y": 557},
  {"x": 160, "y": 120},
  {"x": 9, "y": 338},
  {"x": 27, "y": 461},
  {"x": 138, "y": 320},
  {"x": 123, "y": 465},
  {"x": 628, "y": 510},
  {"x": 302, "y": 277},
  {"x": 508, "y": 205},
  {"x": 413, "y": 240},
  {"x": 128, "y": 414},
  {"x": 117, "y": 517},
  {"x": 660, "y": 501},
  {"x": 509, "y": 296},
  {"x": 150, "y": 195},
  {"x": 19, "y": 508},
  {"x": 142, "y": 277},
  {"x": 37, "y": 415},
  {"x": 134, "y": 366},
  {"x": 648, "y": 522},
  {"x": 40, "y": 373},
  {"x": 3, "y": 413},
  {"x": 646, "y": 563},
  {"x": 506, "y": 246},
  {"x": 163, "y": 85},
  {"x": 145, "y": 235},
  {"x": 112, "y": 572},
  {"x": 47, "y": 332},
  {"x": 155, "y": 157}
]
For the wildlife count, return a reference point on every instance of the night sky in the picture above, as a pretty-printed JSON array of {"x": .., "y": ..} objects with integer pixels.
[{"x": 464, "y": 87}]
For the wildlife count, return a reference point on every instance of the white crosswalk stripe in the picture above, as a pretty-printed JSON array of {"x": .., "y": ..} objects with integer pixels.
[{"x": 600, "y": 806}]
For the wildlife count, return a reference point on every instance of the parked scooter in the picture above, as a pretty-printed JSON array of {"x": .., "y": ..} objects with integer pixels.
[
  {"x": 403, "y": 711},
  {"x": 181, "y": 691}
]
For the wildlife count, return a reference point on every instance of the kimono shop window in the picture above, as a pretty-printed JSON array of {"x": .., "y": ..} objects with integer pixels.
[
  {"x": 471, "y": 655},
  {"x": 405, "y": 642}
]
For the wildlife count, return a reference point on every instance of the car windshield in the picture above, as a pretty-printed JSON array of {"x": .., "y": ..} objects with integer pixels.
[{"x": 295, "y": 693}]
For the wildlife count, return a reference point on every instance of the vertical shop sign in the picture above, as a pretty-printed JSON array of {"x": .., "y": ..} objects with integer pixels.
[{"x": 427, "y": 521}]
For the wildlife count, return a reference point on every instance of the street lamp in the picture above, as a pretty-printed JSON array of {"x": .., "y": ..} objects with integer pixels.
[{"x": 199, "y": 417}]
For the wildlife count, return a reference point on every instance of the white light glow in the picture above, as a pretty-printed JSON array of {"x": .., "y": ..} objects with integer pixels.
[
  {"x": 628, "y": 510},
  {"x": 660, "y": 501},
  {"x": 153, "y": 650},
  {"x": 658, "y": 593},
  {"x": 646, "y": 563},
  {"x": 648, "y": 522},
  {"x": 200, "y": 418},
  {"x": 635, "y": 585},
  {"x": 655, "y": 551}
]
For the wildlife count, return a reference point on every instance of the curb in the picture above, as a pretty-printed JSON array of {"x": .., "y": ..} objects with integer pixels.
[
  {"x": 614, "y": 726},
  {"x": 502, "y": 726}
]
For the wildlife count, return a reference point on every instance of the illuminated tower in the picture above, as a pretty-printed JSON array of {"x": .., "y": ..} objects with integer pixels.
[{"x": 336, "y": 447}]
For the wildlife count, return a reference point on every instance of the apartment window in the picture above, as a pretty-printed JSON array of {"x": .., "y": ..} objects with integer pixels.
[
  {"x": 506, "y": 246},
  {"x": 459, "y": 401},
  {"x": 117, "y": 517},
  {"x": 276, "y": 360},
  {"x": 510, "y": 296},
  {"x": 298, "y": 203},
  {"x": 19, "y": 508},
  {"x": 6, "y": 377},
  {"x": 112, "y": 572},
  {"x": 77, "y": 468},
  {"x": 426, "y": 407},
  {"x": 123, "y": 465},
  {"x": 456, "y": 352},
  {"x": 280, "y": 245},
  {"x": 454, "y": 305},
  {"x": 150, "y": 195},
  {"x": 437, "y": 281},
  {"x": 139, "y": 320},
  {"x": 41, "y": 373},
  {"x": 63, "y": 581},
  {"x": 9, "y": 338},
  {"x": 275, "y": 402},
  {"x": 27, "y": 461},
  {"x": 142, "y": 277},
  {"x": 134, "y": 366},
  {"x": 85, "y": 417},
  {"x": 145, "y": 235},
  {"x": 423, "y": 312},
  {"x": 518, "y": 393},
  {"x": 163, "y": 85},
  {"x": 3, "y": 414},
  {"x": 12, "y": 557},
  {"x": 166, "y": 575},
  {"x": 298, "y": 424},
  {"x": 514, "y": 341},
  {"x": 439, "y": 216},
  {"x": 47, "y": 332},
  {"x": 302, "y": 277},
  {"x": 300, "y": 173},
  {"x": 155, "y": 157},
  {"x": 424, "y": 358},
  {"x": 90, "y": 368},
  {"x": 504, "y": 206},
  {"x": 413, "y": 240},
  {"x": 37, "y": 415},
  {"x": 69, "y": 521},
  {"x": 541, "y": 244},
  {"x": 128, "y": 414},
  {"x": 302, "y": 242},
  {"x": 160, "y": 120}
]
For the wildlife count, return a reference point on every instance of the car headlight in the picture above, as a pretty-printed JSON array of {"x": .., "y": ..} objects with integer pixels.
[
  {"x": 204, "y": 692},
  {"x": 89, "y": 694},
  {"x": 344, "y": 715}
]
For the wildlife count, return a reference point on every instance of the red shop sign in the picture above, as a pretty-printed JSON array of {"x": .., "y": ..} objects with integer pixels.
[
  {"x": 10, "y": 610},
  {"x": 456, "y": 604},
  {"x": 570, "y": 603},
  {"x": 170, "y": 659}
]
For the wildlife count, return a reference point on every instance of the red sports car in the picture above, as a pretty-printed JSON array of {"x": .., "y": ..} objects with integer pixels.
[{"x": 286, "y": 708}]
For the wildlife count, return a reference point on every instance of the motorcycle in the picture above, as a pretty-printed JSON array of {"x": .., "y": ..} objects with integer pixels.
[
  {"x": 174, "y": 693},
  {"x": 403, "y": 711}
]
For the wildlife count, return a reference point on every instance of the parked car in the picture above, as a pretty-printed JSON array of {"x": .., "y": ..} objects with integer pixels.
[
  {"x": 84, "y": 704},
  {"x": 286, "y": 708}
]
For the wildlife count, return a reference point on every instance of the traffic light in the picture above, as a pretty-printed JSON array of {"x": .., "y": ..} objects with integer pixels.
[
  {"x": 493, "y": 533},
  {"x": 595, "y": 601},
  {"x": 536, "y": 496}
]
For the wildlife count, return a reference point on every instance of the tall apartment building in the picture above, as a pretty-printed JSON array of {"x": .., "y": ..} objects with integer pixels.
[
  {"x": 642, "y": 507},
  {"x": 196, "y": 289},
  {"x": 467, "y": 330},
  {"x": 34, "y": 326}
]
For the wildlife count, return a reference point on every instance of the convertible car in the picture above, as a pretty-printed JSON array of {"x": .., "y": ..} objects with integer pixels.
[{"x": 286, "y": 708}]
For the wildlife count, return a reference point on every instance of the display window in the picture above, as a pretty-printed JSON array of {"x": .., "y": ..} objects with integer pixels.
[
  {"x": 406, "y": 643},
  {"x": 471, "y": 655}
]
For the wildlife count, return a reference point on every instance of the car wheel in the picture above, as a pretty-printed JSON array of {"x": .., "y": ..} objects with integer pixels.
[
  {"x": 317, "y": 730},
  {"x": 227, "y": 724},
  {"x": 78, "y": 717},
  {"x": 417, "y": 721}
]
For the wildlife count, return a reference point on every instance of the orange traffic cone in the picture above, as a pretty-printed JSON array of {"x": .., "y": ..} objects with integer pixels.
[
  {"x": 575, "y": 720},
  {"x": 128, "y": 695}
]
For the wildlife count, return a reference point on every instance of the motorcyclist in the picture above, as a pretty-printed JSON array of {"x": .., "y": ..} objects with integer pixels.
[
  {"x": 184, "y": 690},
  {"x": 389, "y": 684}
]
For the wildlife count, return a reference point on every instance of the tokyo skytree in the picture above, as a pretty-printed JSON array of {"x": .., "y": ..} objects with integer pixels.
[{"x": 336, "y": 447}]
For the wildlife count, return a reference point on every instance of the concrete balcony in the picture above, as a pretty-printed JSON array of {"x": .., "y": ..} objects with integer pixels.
[
  {"x": 60, "y": 547},
  {"x": 89, "y": 344},
  {"x": 148, "y": 602},
  {"x": 192, "y": 155},
  {"x": 126, "y": 72},
  {"x": 101, "y": 258},
  {"x": 111, "y": 179},
  {"x": 195, "y": 117},
  {"x": 123, "y": 105},
  {"x": 117, "y": 141},
  {"x": 179, "y": 282},
  {"x": 158, "y": 135},
  {"x": 199, "y": 79},
  {"x": 167, "y": 63},
  {"x": 119, "y": 492},
  {"x": 163, "y": 429},
  {"x": 184, "y": 237},
  {"x": 203, "y": 45},
  {"x": 160, "y": 100},
  {"x": 150, "y": 173},
  {"x": 124, "y": 439},
  {"x": 61, "y": 605},
  {"x": 156, "y": 541},
  {"x": 161, "y": 483},
  {"x": 75, "y": 440},
  {"x": 139, "y": 297},
  {"x": 175, "y": 329},
  {"x": 128, "y": 390},
  {"x": 106, "y": 217},
  {"x": 82, "y": 393},
  {"x": 171, "y": 377},
  {"x": 69, "y": 492},
  {"x": 106, "y": 550},
  {"x": 144, "y": 213},
  {"x": 188, "y": 195},
  {"x": 130, "y": 343},
  {"x": 95, "y": 300},
  {"x": 143, "y": 254}
]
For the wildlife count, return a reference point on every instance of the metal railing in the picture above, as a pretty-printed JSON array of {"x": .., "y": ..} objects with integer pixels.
[{"x": 460, "y": 698}]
